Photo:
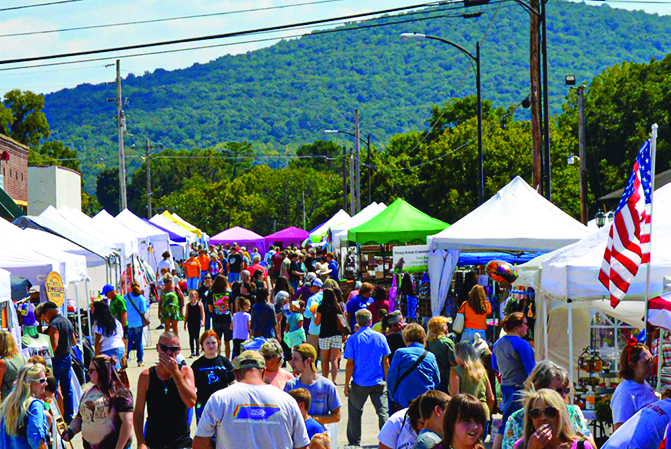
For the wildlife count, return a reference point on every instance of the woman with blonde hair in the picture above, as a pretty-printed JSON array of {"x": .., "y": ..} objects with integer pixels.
[
  {"x": 440, "y": 345},
  {"x": 547, "y": 423},
  {"x": 475, "y": 311},
  {"x": 10, "y": 363},
  {"x": 23, "y": 424},
  {"x": 547, "y": 374},
  {"x": 470, "y": 376}
]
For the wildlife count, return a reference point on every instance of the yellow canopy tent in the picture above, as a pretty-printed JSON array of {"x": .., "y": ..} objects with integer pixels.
[{"x": 183, "y": 224}]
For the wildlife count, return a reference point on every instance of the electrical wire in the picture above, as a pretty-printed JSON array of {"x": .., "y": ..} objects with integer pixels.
[
  {"x": 159, "y": 52},
  {"x": 36, "y": 5},
  {"x": 166, "y": 19},
  {"x": 213, "y": 36}
]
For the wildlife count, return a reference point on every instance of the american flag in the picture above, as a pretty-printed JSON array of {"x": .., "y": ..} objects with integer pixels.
[{"x": 629, "y": 238}]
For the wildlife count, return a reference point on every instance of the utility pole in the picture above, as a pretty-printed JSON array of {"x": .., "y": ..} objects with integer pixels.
[
  {"x": 534, "y": 97},
  {"x": 547, "y": 181},
  {"x": 344, "y": 177},
  {"x": 303, "y": 209},
  {"x": 352, "y": 196},
  {"x": 581, "y": 151},
  {"x": 146, "y": 146},
  {"x": 357, "y": 150},
  {"x": 369, "y": 168},
  {"x": 121, "y": 123}
]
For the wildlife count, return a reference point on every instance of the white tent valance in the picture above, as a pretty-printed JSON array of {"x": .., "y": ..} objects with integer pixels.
[
  {"x": 339, "y": 232},
  {"x": 5, "y": 286}
]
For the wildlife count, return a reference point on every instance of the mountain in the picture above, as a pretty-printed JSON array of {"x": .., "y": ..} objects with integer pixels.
[{"x": 286, "y": 95}]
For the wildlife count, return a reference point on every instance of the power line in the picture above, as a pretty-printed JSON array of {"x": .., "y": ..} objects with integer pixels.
[
  {"x": 242, "y": 42},
  {"x": 216, "y": 36},
  {"x": 36, "y": 5},
  {"x": 166, "y": 19}
]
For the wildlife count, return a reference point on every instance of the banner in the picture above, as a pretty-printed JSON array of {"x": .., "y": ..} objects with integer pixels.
[{"x": 411, "y": 259}]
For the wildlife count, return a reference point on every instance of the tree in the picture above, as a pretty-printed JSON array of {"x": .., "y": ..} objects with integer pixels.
[
  {"x": 29, "y": 124},
  {"x": 239, "y": 154},
  {"x": 107, "y": 190},
  {"x": 321, "y": 155},
  {"x": 53, "y": 152}
]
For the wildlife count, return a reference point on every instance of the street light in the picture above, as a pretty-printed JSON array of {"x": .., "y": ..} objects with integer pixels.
[
  {"x": 367, "y": 142},
  {"x": 475, "y": 58},
  {"x": 570, "y": 81},
  {"x": 600, "y": 218}
]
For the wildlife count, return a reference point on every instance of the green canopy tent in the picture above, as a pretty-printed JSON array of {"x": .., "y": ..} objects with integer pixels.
[
  {"x": 9, "y": 210},
  {"x": 398, "y": 223}
]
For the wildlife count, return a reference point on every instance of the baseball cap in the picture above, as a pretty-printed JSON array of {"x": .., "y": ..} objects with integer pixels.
[
  {"x": 394, "y": 317},
  {"x": 317, "y": 283},
  {"x": 106, "y": 289},
  {"x": 45, "y": 307},
  {"x": 272, "y": 348},
  {"x": 249, "y": 359},
  {"x": 307, "y": 351}
]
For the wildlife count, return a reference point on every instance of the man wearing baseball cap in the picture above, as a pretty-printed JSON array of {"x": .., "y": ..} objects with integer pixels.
[
  {"x": 273, "y": 354},
  {"x": 117, "y": 304},
  {"x": 251, "y": 413}
]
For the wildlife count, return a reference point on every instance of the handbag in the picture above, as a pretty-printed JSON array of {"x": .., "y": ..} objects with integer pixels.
[
  {"x": 395, "y": 406},
  {"x": 145, "y": 320},
  {"x": 458, "y": 324},
  {"x": 343, "y": 325}
]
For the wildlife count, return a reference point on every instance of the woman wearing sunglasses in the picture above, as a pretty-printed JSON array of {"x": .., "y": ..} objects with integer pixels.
[
  {"x": 105, "y": 416},
  {"x": 547, "y": 424},
  {"x": 547, "y": 374},
  {"x": 24, "y": 424}
]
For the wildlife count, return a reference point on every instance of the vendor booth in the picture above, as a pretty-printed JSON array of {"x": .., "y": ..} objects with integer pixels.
[
  {"x": 166, "y": 224},
  {"x": 159, "y": 241},
  {"x": 288, "y": 236},
  {"x": 318, "y": 235},
  {"x": 339, "y": 233},
  {"x": 241, "y": 236}
]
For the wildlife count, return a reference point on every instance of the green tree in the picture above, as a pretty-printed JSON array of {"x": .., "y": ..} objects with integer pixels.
[
  {"x": 53, "y": 152},
  {"x": 107, "y": 190},
  {"x": 29, "y": 124},
  {"x": 240, "y": 156},
  {"x": 320, "y": 155}
]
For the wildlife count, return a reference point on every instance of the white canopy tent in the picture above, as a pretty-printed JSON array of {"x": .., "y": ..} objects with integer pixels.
[
  {"x": 174, "y": 228},
  {"x": 159, "y": 240},
  {"x": 516, "y": 219},
  {"x": 317, "y": 235},
  {"x": 109, "y": 224},
  {"x": 24, "y": 262},
  {"x": 339, "y": 232},
  {"x": 5, "y": 286}
]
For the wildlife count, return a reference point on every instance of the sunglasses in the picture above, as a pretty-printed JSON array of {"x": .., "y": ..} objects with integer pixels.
[
  {"x": 563, "y": 390},
  {"x": 42, "y": 380},
  {"x": 268, "y": 357},
  {"x": 549, "y": 412},
  {"x": 166, "y": 348}
]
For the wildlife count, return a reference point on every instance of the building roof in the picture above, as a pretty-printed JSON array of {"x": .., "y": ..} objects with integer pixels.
[{"x": 661, "y": 179}]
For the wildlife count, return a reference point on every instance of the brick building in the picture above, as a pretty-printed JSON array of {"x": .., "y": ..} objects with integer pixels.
[{"x": 14, "y": 170}]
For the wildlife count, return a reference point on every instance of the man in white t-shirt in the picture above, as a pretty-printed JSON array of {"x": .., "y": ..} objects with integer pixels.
[
  {"x": 397, "y": 432},
  {"x": 165, "y": 263},
  {"x": 644, "y": 430},
  {"x": 251, "y": 413}
]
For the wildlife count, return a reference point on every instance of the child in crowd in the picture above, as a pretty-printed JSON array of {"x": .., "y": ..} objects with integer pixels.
[
  {"x": 194, "y": 319},
  {"x": 320, "y": 441},
  {"x": 303, "y": 398},
  {"x": 295, "y": 318},
  {"x": 241, "y": 325}
]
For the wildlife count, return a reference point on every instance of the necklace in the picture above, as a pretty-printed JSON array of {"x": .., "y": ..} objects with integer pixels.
[{"x": 165, "y": 384}]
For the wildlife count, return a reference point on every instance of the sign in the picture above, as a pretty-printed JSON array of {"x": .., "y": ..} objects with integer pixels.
[
  {"x": 54, "y": 288},
  {"x": 411, "y": 259}
]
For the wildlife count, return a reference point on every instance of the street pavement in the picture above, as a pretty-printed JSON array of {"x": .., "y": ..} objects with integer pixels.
[{"x": 369, "y": 420}]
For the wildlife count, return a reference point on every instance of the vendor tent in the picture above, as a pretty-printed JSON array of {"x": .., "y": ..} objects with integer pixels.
[
  {"x": 288, "y": 236},
  {"x": 5, "y": 286},
  {"x": 23, "y": 262},
  {"x": 339, "y": 232},
  {"x": 129, "y": 245},
  {"x": 241, "y": 236},
  {"x": 317, "y": 234},
  {"x": 9, "y": 210},
  {"x": 158, "y": 240},
  {"x": 110, "y": 225},
  {"x": 182, "y": 223},
  {"x": 164, "y": 223},
  {"x": 398, "y": 223},
  {"x": 517, "y": 218}
]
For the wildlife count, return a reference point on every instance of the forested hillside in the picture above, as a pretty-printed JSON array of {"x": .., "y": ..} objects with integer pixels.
[{"x": 283, "y": 96}]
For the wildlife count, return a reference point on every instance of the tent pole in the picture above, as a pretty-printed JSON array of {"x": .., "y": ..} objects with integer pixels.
[
  {"x": 570, "y": 342},
  {"x": 653, "y": 151},
  {"x": 88, "y": 310},
  {"x": 545, "y": 329},
  {"x": 660, "y": 359},
  {"x": 79, "y": 315}
]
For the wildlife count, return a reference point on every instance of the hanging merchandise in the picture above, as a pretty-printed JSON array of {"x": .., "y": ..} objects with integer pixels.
[
  {"x": 424, "y": 286},
  {"x": 411, "y": 304},
  {"x": 393, "y": 292}
]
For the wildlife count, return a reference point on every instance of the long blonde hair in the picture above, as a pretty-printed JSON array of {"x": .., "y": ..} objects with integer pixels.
[
  {"x": 15, "y": 406},
  {"x": 7, "y": 345},
  {"x": 472, "y": 364},
  {"x": 436, "y": 328},
  {"x": 565, "y": 432},
  {"x": 477, "y": 299}
]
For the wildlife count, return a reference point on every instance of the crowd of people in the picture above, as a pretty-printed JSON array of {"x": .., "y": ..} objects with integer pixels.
[{"x": 267, "y": 337}]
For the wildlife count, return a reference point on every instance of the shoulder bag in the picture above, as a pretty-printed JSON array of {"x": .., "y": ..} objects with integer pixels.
[
  {"x": 145, "y": 320},
  {"x": 395, "y": 406},
  {"x": 459, "y": 321}
]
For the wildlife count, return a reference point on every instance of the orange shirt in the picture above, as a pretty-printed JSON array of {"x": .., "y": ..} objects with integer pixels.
[
  {"x": 204, "y": 261},
  {"x": 192, "y": 267},
  {"x": 473, "y": 320}
]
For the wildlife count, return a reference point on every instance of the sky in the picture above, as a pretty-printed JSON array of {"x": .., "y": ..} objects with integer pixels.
[{"x": 86, "y": 13}]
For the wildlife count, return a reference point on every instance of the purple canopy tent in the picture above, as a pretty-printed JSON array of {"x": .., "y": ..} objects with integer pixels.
[
  {"x": 241, "y": 236},
  {"x": 289, "y": 236}
]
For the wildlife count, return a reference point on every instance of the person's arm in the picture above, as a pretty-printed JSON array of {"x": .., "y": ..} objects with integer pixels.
[
  {"x": 385, "y": 365},
  {"x": 318, "y": 319},
  {"x": 185, "y": 383},
  {"x": 53, "y": 337},
  {"x": 99, "y": 343},
  {"x": 491, "y": 400},
  {"x": 454, "y": 383},
  {"x": 202, "y": 314},
  {"x": 186, "y": 317},
  {"x": 124, "y": 318},
  {"x": 3, "y": 370},
  {"x": 75, "y": 427},
  {"x": 349, "y": 372},
  {"x": 203, "y": 443},
  {"x": 392, "y": 374},
  {"x": 331, "y": 417},
  {"x": 527, "y": 355},
  {"x": 138, "y": 414},
  {"x": 126, "y": 429}
]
